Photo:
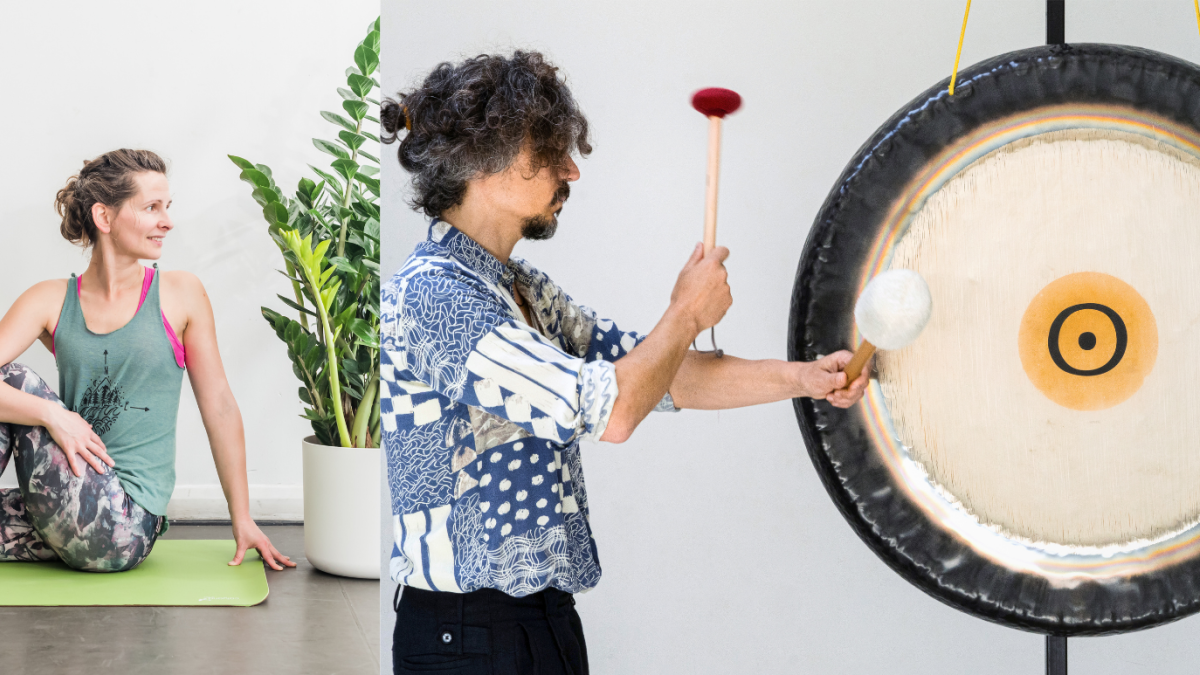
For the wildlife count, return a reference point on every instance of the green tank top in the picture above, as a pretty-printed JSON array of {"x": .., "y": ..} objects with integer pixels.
[{"x": 126, "y": 385}]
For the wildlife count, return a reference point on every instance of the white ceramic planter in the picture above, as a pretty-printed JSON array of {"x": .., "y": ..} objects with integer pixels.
[{"x": 341, "y": 509}]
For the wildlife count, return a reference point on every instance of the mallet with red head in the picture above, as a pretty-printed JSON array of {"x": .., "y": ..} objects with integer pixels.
[{"x": 715, "y": 103}]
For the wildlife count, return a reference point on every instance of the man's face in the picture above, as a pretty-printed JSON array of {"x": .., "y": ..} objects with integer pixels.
[{"x": 533, "y": 198}]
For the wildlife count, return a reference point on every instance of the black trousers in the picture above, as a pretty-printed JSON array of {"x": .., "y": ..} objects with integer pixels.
[{"x": 488, "y": 633}]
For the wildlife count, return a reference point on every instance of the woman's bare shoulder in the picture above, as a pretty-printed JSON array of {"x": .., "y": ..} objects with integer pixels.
[
  {"x": 186, "y": 288},
  {"x": 46, "y": 291},
  {"x": 41, "y": 302},
  {"x": 183, "y": 282}
]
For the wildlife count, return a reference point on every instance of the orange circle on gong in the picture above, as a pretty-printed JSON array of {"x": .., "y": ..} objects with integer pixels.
[{"x": 1088, "y": 340}]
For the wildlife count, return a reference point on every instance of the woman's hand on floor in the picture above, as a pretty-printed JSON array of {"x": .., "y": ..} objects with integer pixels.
[
  {"x": 248, "y": 536},
  {"x": 77, "y": 440}
]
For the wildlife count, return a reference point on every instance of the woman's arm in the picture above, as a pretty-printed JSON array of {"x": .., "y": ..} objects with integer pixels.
[
  {"x": 219, "y": 410},
  {"x": 705, "y": 382},
  {"x": 35, "y": 315}
]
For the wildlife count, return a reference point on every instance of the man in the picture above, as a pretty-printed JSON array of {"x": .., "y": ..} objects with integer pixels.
[{"x": 492, "y": 375}]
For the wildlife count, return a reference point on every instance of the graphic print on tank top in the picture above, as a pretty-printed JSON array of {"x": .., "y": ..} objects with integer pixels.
[{"x": 102, "y": 402}]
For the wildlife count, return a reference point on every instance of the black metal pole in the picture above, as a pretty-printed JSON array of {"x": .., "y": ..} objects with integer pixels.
[
  {"x": 1056, "y": 15},
  {"x": 1056, "y": 655}
]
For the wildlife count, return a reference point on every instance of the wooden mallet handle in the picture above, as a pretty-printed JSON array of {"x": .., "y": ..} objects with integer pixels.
[
  {"x": 854, "y": 368},
  {"x": 714, "y": 176}
]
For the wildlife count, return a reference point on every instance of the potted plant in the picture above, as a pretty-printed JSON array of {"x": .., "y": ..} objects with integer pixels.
[{"x": 328, "y": 236}]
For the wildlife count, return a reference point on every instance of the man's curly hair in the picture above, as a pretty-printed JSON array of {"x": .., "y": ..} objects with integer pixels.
[{"x": 473, "y": 118}]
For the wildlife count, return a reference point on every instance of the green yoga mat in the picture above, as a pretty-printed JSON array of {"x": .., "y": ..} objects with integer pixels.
[{"x": 177, "y": 572}]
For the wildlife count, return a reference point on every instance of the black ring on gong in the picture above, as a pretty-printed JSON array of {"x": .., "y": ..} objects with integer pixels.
[
  {"x": 836, "y": 256},
  {"x": 1118, "y": 352}
]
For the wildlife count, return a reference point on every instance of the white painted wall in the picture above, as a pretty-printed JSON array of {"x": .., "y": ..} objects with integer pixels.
[
  {"x": 721, "y": 551},
  {"x": 193, "y": 82}
]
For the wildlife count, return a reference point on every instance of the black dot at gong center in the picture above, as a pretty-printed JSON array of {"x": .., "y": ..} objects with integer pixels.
[{"x": 1087, "y": 341}]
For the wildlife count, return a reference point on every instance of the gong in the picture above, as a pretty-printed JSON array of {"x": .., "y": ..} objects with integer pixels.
[{"x": 1033, "y": 458}]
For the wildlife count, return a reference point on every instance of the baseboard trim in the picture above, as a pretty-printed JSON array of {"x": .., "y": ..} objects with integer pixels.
[
  {"x": 268, "y": 503},
  {"x": 228, "y": 523}
]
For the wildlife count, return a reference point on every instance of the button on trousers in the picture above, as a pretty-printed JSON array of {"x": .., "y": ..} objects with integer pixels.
[{"x": 488, "y": 633}]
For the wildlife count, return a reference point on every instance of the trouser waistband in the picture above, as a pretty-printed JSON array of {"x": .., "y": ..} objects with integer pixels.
[{"x": 464, "y": 620}]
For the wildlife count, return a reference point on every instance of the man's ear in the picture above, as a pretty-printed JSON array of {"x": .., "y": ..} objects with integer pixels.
[{"x": 100, "y": 216}]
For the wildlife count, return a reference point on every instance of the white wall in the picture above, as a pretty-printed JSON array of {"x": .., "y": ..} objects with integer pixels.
[
  {"x": 721, "y": 551},
  {"x": 193, "y": 82}
]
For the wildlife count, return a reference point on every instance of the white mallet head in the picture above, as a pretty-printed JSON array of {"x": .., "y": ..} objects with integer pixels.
[{"x": 893, "y": 309}]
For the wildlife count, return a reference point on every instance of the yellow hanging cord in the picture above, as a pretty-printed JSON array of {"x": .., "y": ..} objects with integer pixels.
[
  {"x": 963, "y": 34},
  {"x": 1197, "y": 4}
]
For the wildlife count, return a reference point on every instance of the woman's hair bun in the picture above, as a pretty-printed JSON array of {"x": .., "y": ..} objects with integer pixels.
[{"x": 107, "y": 179}]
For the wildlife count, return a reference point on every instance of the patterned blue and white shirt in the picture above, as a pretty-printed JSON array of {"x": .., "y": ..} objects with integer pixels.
[{"x": 482, "y": 416}]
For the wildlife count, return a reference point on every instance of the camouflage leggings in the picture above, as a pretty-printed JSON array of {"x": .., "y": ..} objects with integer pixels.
[{"x": 89, "y": 523}]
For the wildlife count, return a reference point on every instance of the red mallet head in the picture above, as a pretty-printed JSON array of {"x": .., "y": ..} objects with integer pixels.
[{"x": 716, "y": 102}]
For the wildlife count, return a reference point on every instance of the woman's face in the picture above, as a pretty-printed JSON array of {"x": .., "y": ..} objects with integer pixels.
[{"x": 140, "y": 226}]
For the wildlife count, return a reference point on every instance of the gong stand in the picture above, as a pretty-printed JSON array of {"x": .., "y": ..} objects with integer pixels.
[{"x": 1056, "y": 645}]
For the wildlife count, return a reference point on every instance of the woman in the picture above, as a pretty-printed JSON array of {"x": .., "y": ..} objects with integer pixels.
[{"x": 97, "y": 467}]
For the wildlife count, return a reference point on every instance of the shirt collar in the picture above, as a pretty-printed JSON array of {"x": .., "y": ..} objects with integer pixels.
[{"x": 468, "y": 252}]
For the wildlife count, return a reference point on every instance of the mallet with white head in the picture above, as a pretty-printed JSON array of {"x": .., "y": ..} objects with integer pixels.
[{"x": 891, "y": 312}]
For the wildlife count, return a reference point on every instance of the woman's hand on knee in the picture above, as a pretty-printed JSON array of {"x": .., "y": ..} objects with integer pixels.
[{"x": 78, "y": 442}]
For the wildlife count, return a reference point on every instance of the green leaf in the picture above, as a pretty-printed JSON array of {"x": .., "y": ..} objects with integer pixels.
[
  {"x": 372, "y": 40},
  {"x": 347, "y": 94},
  {"x": 275, "y": 213},
  {"x": 315, "y": 192},
  {"x": 264, "y": 196},
  {"x": 371, "y": 183},
  {"x": 360, "y": 85},
  {"x": 357, "y": 110},
  {"x": 366, "y": 59},
  {"x": 368, "y": 134},
  {"x": 352, "y": 140},
  {"x": 293, "y": 305},
  {"x": 352, "y": 70},
  {"x": 318, "y": 252},
  {"x": 369, "y": 156},
  {"x": 242, "y": 164},
  {"x": 303, "y": 393},
  {"x": 368, "y": 170},
  {"x": 364, "y": 332},
  {"x": 339, "y": 120},
  {"x": 256, "y": 178},
  {"x": 304, "y": 192},
  {"x": 366, "y": 210},
  {"x": 346, "y": 168},
  {"x": 371, "y": 119},
  {"x": 331, "y": 148},
  {"x": 266, "y": 171},
  {"x": 343, "y": 264},
  {"x": 292, "y": 332},
  {"x": 329, "y": 179}
]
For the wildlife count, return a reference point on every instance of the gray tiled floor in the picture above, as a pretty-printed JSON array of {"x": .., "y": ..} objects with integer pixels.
[{"x": 311, "y": 624}]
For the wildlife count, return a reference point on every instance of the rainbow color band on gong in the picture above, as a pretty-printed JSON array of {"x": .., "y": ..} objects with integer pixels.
[
  {"x": 998, "y": 134},
  {"x": 1062, "y": 565}
]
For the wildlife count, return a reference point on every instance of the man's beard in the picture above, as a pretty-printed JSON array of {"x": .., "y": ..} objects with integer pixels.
[{"x": 540, "y": 228}]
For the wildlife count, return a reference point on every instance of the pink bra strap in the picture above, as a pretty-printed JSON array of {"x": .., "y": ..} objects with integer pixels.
[
  {"x": 176, "y": 345},
  {"x": 147, "y": 278}
]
